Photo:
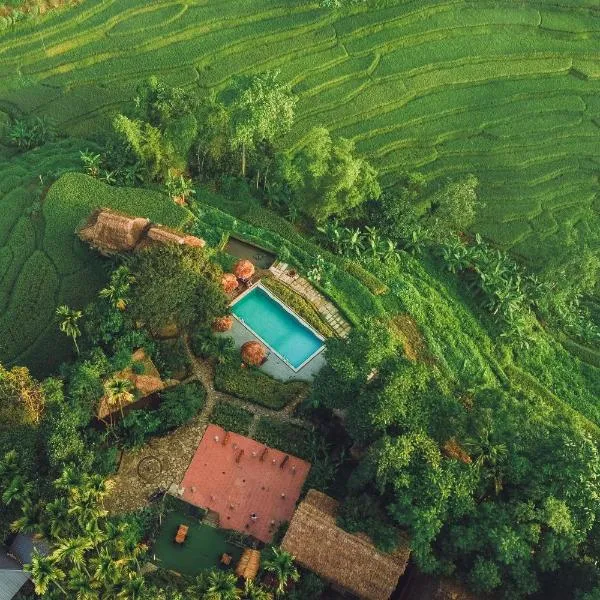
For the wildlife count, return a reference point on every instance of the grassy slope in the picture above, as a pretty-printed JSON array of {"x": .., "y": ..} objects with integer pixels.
[
  {"x": 506, "y": 90},
  {"x": 42, "y": 263}
]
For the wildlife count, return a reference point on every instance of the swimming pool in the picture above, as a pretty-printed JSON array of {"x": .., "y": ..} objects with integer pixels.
[{"x": 284, "y": 332}]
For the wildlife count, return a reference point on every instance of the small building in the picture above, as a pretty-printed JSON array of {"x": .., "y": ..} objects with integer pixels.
[
  {"x": 252, "y": 488},
  {"x": 12, "y": 575},
  {"x": 111, "y": 232},
  {"x": 350, "y": 562},
  {"x": 249, "y": 564}
]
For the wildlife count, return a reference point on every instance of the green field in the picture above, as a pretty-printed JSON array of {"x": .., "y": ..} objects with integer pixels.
[
  {"x": 42, "y": 263},
  {"x": 507, "y": 90}
]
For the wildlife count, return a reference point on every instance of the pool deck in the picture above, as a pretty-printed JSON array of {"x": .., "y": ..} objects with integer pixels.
[{"x": 274, "y": 366}]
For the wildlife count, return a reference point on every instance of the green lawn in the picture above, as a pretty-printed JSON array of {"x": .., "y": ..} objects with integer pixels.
[
  {"x": 506, "y": 90},
  {"x": 201, "y": 550},
  {"x": 42, "y": 262}
]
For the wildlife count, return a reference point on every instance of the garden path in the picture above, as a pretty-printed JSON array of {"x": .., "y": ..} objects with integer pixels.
[{"x": 163, "y": 461}]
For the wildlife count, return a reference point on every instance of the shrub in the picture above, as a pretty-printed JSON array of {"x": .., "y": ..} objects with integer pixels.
[
  {"x": 232, "y": 418},
  {"x": 171, "y": 359},
  {"x": 137, "y": 426},
  {"x": 284, "y": 436},
  {"x": 179, "y": 405},
  {"x": 252, "y": 384}
]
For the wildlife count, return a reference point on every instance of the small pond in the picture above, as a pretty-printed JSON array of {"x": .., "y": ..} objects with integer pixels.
[{"x": 262, "y": 258}]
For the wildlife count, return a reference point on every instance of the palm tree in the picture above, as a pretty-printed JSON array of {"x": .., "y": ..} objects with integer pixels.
[
  {"x": 253, "y": 591},
  {"x": 281, "y": 564},
  {"x": 118, "y": 392},
  {"x": 82, "y": 585},
  {"x": 68, "y": 478},
  {"x": 29, "y": 521},
  {"x": 133, "y": 588},
  {"x": 17, "y": 490},
  {"x": 120, "y": 283},
  {"x": 44, "y": 573},
  {"x": 68, "y": 323},
  {"x": 489, "y": 457},
  {"x": 222, "y": 586},
  {"x": 106, "y": 569},
  {"x": 73, "y": 551}
]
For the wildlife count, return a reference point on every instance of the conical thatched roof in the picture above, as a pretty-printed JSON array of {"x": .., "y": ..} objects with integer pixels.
[
  {"x": 350, "y": 561},
  {"x": 111, "y": 232},
  {"x": 243, "y": 269},
  {"x": 229, "y": 282},
  {"x": 249, "y": 564},
  {"x": 253, "y": 353},
  {"x": 223, "y": 323}
]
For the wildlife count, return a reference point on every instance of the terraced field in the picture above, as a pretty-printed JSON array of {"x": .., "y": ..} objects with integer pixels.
[
  {"x": 42, "y": 263},
  {"x": 508, "y": 90}
]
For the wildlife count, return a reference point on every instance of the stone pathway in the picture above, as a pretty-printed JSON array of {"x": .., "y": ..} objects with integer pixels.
[
  {"x": 303, "y": 287},
  {"x": 163, "y": 461}
]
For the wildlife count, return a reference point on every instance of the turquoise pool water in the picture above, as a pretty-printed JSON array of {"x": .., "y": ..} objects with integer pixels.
[{"x": 293, "y": 341}]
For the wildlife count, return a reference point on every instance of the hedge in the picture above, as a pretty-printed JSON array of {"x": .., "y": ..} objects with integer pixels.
[
  {"x": 285, "y": 437},
  {"x": 300, "y": 305},
  {"x": 232, "y": 418},
  {"x": 253, "y": 385}
]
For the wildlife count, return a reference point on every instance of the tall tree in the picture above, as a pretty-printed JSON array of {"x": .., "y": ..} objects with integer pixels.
[
  {"x": 281, "y": 564},
  {"x": 68, "y": 323}
]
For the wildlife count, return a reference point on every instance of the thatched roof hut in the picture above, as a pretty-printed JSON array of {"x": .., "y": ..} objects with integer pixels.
[
  {"x": 253, "y": 353},
  {"x": 229, "y": 282},
  {"x": 110, "y": 232},
  {"x": 249, "y": 564},
  {"x": 243, "y": 269},
  {"x": 223, "y": 323},
  {"x": 348, "y": 561}
]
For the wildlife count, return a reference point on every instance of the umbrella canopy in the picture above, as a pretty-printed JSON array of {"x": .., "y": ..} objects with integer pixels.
[
  {"x": 243, "y": 269},
  {"x": 223, "y": 323},
  {"x": 253, "y": 353},
  {"x": 229, "y": 282}
]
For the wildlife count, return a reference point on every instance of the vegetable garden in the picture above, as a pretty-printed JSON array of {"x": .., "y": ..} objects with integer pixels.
[{"x": 506, "y": 91}]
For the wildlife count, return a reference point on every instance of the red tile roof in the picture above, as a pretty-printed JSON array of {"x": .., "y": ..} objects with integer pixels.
[{"x": 237, "y": 477}]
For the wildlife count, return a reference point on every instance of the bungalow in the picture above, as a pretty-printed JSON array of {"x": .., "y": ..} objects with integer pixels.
[
  {"x": 350, "y": 562},
  {"x": 12, "y": 575}
]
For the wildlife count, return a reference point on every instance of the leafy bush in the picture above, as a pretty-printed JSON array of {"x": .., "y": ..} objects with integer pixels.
[
  {"x": 30, "y": 133},
  {"x": 171, "y": 359},
  {"x": 232, "y": 418},
  {"x": 285, "y": 437},
  {"x": 137, "y": 426},
  {"x": 180, "y": 404},
  {"x": 256, "y": 386},
  {"x": 300, "y": 305}
]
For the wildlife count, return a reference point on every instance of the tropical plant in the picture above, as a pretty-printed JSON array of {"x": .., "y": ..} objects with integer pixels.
[
  {"x": 281, "y": 564},
  {"x": 68, "y": 323},
  {"x": 180, "y": 188},
  {"x": 118, "y": 393},
  {"x": 221, "y": 585},
  {"x": 117, "y": 292},
  {"x": 254, "y": 591},
  {"x": 44, "y": 574},
  {"x": 91, "y": 162}
]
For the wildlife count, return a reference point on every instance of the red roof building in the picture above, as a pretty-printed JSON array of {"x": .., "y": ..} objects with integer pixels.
[{"x": 252, "y": 487}]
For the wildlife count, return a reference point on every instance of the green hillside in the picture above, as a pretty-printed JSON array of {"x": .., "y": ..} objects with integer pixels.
[
  {"x": 42, "y": 263},
  {"x": 506, "y": 90}
]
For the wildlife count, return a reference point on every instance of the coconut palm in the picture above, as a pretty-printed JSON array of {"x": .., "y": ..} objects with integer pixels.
[
  {"x": 68, "y": 323},
  {"x": 222, "y": 586},
  {"x": 29, "y": 521},
  {"x": 44, "y": 574},
  {"x": 118, "y": 392},
  {"x": 72, "y": 551},
  {"x": 281, "y": 564},
  {"x": 134, "y": 588},
  {"x": 106, "y": 569},
  {"x": 17, "y": 490},
  {"x": 82, "y": 585},
  {"x": 118, "y": 289},
  {"x": 253, "y": 591},
  {"x": 70, "y": 477}
]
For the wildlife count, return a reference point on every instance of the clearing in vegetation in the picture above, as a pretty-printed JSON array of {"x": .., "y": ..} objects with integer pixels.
[{"x": 507, "y": 91}]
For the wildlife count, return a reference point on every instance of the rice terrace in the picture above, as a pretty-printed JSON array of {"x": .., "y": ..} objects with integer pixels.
[{"x": 357, "y": 243}]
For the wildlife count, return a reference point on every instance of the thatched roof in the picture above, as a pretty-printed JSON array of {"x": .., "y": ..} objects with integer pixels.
[
  {"x": 111, "y": 232},
  {"x": 143, "y": 385},
  {"x": 243, "y": 269},
  {"x": 253, "y": 353},
  {"x": 229, "y": 282},
  {"x": 223, "y": 323},
  {"x": 349, "y": 561},
  {"x": 165, "y": 235},
  {"x": 249, "y": 564}
]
